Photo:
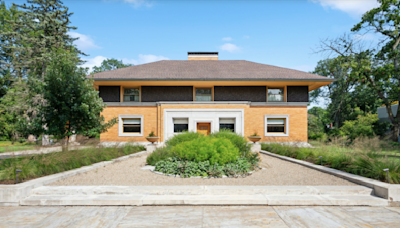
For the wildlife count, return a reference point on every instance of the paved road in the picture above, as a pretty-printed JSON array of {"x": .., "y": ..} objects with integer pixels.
[{"x": 200, "y": 216}]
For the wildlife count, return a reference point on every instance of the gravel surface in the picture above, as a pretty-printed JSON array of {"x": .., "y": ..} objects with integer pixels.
[{"x": 276, "y": 172}]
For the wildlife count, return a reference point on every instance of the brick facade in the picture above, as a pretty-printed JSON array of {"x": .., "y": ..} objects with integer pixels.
[{"x": 254, "y": 117}]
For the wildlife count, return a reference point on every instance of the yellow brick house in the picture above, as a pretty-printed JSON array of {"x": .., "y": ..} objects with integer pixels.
[{"x": 204, "y": 94}]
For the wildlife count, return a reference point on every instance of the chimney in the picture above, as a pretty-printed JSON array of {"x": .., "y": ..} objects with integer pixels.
[{"x": 202, "y": 55}]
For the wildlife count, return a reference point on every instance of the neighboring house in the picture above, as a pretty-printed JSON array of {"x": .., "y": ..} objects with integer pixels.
[
  {"x": 384, "y": 116},
  {"x": 204, "y": 94}
]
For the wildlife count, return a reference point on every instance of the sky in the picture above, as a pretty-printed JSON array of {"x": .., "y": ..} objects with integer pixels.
[{"x": 275, "y": 32}]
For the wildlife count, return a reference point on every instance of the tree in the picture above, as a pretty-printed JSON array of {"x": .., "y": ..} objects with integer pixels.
[
  {"x": 73, "y": 106},
  {"x": 385, "y": 76},
  {"x": 6, "y": 73},
  {"x": 110, "y": 64}
]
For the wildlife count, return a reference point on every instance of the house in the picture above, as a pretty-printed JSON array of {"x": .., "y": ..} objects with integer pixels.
[{"x": 204, "y": 94}]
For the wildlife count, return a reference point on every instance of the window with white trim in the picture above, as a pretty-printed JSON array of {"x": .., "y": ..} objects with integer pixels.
[
  {"x": 227, "y": 124},
  {"x": 130, "y": 125},
  {"x": 181, "y": 125},
  {"x": 131, "y": 94},
  {"x": 277, "y": 125}
]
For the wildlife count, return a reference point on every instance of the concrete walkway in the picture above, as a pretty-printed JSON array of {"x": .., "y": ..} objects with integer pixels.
[
  {"x": 205, "y": 216},
  {"x": 41, "y": 150}
]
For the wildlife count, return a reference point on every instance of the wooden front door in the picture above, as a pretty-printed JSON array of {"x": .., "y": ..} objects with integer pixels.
[{"x": 204, "y": 128}]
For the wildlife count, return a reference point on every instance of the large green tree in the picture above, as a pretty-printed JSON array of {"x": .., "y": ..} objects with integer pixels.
[
  {"x": 73, "y": 106},
  {"x": 384, "y": 76},
  {"x": 110, "y": 64}
]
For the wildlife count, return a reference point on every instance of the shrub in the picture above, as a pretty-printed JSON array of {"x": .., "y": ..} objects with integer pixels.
[
  {"x": 177, "y": 166},
  {"x": 215, "y": 150},
  {"x": 183, "y": 137},
  {"x": 363, "y": 126},
  {"x": 159, "y": 154},
  {"x": 239, "y": 141}
]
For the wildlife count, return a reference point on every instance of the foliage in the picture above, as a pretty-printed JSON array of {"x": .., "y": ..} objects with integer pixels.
[
  {"x": 152, "y": 134},
  {"x": 72, "y": 104},
  {"x": 315, "y": 127},
  {"x": 239, "y": 141},
  {"x": 363, "y": 126},
  {"x": 159, "y": 154},
  {"x": 184, "y": 168},
  {"x": 214, "y": 150},
  {"x": 365, "y": 159},
  {"x": 183, "y": 137},
  {"x": 46, "y": 164},
  {"x": 110, "y": 64}
]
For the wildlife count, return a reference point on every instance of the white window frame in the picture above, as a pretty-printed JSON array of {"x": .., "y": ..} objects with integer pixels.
[
  {"x": 286, "y": 117},
  {"x": 121, "y": 128}
]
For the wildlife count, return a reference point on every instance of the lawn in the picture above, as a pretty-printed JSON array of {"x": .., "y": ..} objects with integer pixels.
[
  {"x": 365, "y": 157},
  {"x": 7, "y": 146},
  {"x": 46, "y": 164}
]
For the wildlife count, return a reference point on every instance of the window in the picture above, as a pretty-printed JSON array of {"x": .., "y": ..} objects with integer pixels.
[
  {"x": 203, "y": 94},
  {"x": 275, "y": 94},
  {"x": 227, "y": 124},
  {"x": 131, "y": 125},
  {"x": 180, "y": 125},
  {"x": 131, "y": 94},
  {"x": 277, "y": 125}
]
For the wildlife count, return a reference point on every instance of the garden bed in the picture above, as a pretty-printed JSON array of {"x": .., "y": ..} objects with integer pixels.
[
  {"x": 275, "y": 172},
  {"x": 365, "y": 158},
  {"x": 36, "y": 166}
]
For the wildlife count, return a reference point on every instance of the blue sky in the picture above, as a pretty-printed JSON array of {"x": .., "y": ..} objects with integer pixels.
[{"x": 281, "y": 33}]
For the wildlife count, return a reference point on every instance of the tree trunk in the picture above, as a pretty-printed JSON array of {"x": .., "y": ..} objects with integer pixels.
[
  {"x": 395, "y": 132},
  {"x": 65, "y": 144}
]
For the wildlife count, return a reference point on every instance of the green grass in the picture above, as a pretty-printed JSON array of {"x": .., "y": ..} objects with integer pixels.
[
  {"x": 7, "y": 146},
  {"x": 46, "y": 164},
  {"x": 365, "y": 157}
]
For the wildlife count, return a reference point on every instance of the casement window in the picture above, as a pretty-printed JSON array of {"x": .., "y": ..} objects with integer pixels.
[
  {"x": 181, "y": 125},
  {"x": 227, "y": 124},
  {"x": 130, "y": 125},
  {"x": 275, "y": 94},
  {"x": 203, "y": 94},
  {"x": 131, "y": 94},
  {"x": 277, "y": 125}
]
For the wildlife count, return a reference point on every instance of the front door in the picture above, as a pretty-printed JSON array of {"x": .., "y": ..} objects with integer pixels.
[{"x": 203, "y": 128}]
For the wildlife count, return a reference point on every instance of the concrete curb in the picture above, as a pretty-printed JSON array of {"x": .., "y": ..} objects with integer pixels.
[
  {"x": 384, "y": 190},
  {"x": 10, "y": 195}
]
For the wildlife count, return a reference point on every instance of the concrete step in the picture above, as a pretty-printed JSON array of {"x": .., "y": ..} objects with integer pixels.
[
  {"x": 203, "y": 190},
  {"x": 255, "y": 199}
]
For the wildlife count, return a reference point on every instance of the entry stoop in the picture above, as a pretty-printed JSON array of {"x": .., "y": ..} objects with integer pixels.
[{"x": 203, "y": 195}]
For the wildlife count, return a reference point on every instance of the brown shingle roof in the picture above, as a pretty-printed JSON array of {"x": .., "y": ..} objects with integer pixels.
[{"x": 204, "y": 70}]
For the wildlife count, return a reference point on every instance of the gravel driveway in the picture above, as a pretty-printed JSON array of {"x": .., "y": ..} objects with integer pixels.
[{"x": 276, "y": 172}]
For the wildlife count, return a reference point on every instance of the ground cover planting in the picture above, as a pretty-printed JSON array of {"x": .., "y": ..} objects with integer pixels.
[
  {"x": 191, "y": 154},
  {"x": 46, "y": 164},
  {"x": 364, "y": 156},
  {"x": 8, "y": 146}
]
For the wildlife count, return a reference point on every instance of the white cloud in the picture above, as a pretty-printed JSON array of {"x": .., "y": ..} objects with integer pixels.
[
  {"x": 246, "y": 37},
  {"x": 96, "y": 61},
  {"x": 305, "y": 68},
  {"x": 227, "y": 39},
  {"x": 138, "y": 3},
  {"x": 353, "y": 7},
  {"x": 145, "y": 59},
  {"x": 84, "y": 42},
  {"x": 230, "y": 47}
]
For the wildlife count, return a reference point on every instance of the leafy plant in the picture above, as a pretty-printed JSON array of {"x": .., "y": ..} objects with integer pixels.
[
  {"x": 239, "y": 141},
  {"x": 152, "y": 134},
  {"x": 183, "y": 137}
]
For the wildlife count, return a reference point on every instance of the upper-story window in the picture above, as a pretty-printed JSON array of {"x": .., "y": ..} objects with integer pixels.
[
  {"x": 203, "y": 94},
  {"x": 275, "y": 94},
  {"x": 131, "y": 94}
]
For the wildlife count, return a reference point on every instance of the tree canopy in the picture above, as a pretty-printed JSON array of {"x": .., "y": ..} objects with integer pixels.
[{"x": 110, "y": 64}]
